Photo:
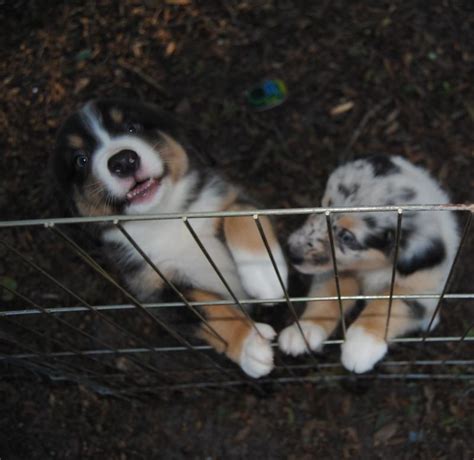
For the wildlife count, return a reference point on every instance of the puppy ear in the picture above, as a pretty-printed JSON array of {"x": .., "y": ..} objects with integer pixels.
[
  {"x": 421, "y": 256},
  {"x": 390, "y": 237},
  {"x": 383, "y": 240}
]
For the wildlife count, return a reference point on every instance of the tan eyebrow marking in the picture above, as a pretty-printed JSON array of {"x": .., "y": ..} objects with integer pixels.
[
  {"x": 116, "y": 115},
  {"x": 347, "y": 222},
  {"x": 76, "y": 141}
]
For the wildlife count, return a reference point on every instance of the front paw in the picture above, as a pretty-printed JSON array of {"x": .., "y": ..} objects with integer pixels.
[
  {"x": 362, "y": 350},
  {"x": 256, "y": 357},
  {"x": 292, "y": 342}
]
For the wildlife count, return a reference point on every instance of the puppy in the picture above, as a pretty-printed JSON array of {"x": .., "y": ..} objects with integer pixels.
[
  {"x": 364, "y": 250},
  {"x": 122, "y": 157}
]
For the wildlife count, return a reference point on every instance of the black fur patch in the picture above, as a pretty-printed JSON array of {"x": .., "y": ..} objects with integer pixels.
[
  {"x": 382, "y": 241},
  {"x": 370, "y": 221},
  {"x": 406, "y": 194},
  {"x": 382, "y": 165},
  {"x": 418, "y": 310},
  {"x": 433, "y": 254},
  {"x": 320, "y": 259},
  {"x": 343, "y": 190}
]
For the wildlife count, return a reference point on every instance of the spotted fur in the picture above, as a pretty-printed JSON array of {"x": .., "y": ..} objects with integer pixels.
[{"x": 365, "y": 248}]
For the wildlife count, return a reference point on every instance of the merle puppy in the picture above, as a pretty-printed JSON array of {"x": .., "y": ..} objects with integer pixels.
[{"x": 364, "y": 249}]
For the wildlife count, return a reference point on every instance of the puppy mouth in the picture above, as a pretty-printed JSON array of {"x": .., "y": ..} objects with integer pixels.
[
  {"x": 314, "y": 263},
  {"x": 143, "y": 190}
]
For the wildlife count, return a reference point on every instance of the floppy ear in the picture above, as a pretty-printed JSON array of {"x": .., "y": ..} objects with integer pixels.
[
  {"x": 432, "y": 253},
  {"x": 383, "y": 240}
]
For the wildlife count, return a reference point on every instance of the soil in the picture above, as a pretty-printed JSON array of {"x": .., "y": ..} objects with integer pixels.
[{"x": 363, "y": 77}]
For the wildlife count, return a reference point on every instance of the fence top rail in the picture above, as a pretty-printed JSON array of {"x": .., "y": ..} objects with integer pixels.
[{"x": 261, "y": 212}]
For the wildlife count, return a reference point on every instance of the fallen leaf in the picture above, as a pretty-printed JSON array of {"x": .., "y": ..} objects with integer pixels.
[
  {"x": 341, "y": 108},
  {"x": 242, "y": 434},
  {"x": 178, "y": 2},
  {"x": 170, "y": 48},
  {"x": 83, "y": 55},
  {"x": 385, "y": 433},
  {"x": 183, "y": 107},
  {"x": 137, "y": 49},
  {"x": 81, "y": 84}
]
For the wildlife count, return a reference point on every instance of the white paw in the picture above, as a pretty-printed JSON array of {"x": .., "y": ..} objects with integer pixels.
[
  {"x": 361, "y": 350},
  {"x": 292, "y": 343},
  {"x": 256, "y": 357},
  {"x": 258, "y": 275}
]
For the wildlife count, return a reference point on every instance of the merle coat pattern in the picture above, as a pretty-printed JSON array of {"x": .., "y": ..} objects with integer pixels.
[{"x": 364, "y": 248}]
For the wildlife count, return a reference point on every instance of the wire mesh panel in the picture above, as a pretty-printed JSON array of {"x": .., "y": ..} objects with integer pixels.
[{"x": 67, "y": 314}]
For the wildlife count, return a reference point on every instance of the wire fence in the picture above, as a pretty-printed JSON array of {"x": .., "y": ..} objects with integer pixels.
[{"x": 65, "y": 316}]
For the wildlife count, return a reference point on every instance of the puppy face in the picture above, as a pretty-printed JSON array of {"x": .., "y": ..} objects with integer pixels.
[
  {"x": 115, "y": 156},
  {"x": 357, "y": 244},
  {"x": 366, "y": 240}
]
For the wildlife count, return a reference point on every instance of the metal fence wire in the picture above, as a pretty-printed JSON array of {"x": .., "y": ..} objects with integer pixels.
[{"x": 66, "y": 315}]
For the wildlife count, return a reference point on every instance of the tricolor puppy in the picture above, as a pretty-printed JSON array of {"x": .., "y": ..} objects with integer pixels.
[
  {"x": 364, "y": 249},
  {"x": 121, "y": 157}
]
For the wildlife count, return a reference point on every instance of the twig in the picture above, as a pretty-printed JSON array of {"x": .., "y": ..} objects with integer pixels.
[
  {"x": 146, "y": 78},
  {"x": 262, "y": 155},
  {"x": 358, "y": 131}
]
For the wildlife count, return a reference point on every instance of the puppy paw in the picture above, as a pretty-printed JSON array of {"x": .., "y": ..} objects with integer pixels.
[
  {"x": 258, "y": 275},
  {"x": 256, "y": 357},
  {"x": 361, "y": 350},
  {"x": 292, "y": 343}
]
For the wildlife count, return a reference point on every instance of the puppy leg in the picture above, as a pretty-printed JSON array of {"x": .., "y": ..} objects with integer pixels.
[
  {"x": 320, "y": 318},
  {"x": 237, "y": 337},
  {"x": 365, "y": 341},
  {"x": 253, "y": 262},
  {"x": 146, "y": 282}
]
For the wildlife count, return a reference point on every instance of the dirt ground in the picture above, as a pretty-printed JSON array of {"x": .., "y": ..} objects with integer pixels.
[{"x": 362, "y": 77}]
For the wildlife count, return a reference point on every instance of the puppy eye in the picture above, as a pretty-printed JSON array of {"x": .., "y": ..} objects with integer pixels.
[
  {"x": 81, "y": 160},
  {"x": 134, "y": 128},
  {"x": 347, "y": 237}
]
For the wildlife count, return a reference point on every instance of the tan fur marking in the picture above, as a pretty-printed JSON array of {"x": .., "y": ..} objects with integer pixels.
[
  {"x": 424, "y": 282},
  {"x": 229, "y": 200},
  {"x": 372, "y": 260},
  {"x": 116, "y": 115},
  {"x": 242, "y": 232},
  {"x": 347, "y": 222},
  {"x": 75, "y": 141},
  {"x": 229, "y": 322},
  {"x": 327, "y": 313},
  {"x": 175, "y": 157},
  {"x": 374, "y": 316}
]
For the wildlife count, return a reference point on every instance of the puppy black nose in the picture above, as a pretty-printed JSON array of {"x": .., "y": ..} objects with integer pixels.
[
  {"x": 295, "y": 259},
  {"x": 124, "y": 164}
]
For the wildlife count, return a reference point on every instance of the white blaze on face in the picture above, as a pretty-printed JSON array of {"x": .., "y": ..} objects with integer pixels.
[{"x": 151, "y": 165}]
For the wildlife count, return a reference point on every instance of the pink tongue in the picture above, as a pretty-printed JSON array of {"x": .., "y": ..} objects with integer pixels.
[{"x": 142, "y": 190}]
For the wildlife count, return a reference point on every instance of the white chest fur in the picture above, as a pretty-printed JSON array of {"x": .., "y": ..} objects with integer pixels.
[{"x": 172, "y": 248}]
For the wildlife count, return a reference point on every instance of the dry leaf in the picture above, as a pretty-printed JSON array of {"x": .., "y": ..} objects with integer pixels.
[
  {"x": 392, "y": 128},
  {"x": 137, "y": 49},
  {"x": 81, "y": 84},
  {"x": 242, "y": 434},
  {"x": 178, "y": 2},
  {"x": 385, "y": 433},
  {"x": 170, "y": 48},
  {"x": 183, "y": 107},
  {"x": 341, "y": 108}
]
